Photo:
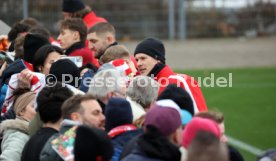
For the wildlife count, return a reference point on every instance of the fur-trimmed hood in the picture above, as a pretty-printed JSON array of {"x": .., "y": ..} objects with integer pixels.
[{"x": 17, "y": 124}]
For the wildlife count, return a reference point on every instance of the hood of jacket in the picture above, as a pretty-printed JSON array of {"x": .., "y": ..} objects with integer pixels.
[{"x": 17, "y": 124}]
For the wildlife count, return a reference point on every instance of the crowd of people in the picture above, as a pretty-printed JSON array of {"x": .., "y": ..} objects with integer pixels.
[{"x": 84, "y": 97}]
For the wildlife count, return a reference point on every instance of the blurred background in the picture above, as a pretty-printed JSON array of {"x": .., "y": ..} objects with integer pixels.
[{"x": 172, "y": 19}]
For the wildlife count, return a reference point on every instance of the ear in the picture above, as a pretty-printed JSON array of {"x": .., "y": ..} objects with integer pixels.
[
  {"x": 40, "y": 68},
  {"x": 110, "y": 38},
  {"x": 75, "y": 116},
  {"x": 76, "y": 36},
  {"x": 22, "y": 112}
]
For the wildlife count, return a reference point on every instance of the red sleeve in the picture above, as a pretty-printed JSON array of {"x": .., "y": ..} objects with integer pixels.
[{"x": 196, "y": 92}]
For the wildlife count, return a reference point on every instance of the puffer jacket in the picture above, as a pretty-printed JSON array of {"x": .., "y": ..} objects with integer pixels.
[{"x": 15, "y": 136}]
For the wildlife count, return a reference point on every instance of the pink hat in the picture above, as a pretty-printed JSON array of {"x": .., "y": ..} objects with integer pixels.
[{"x": 199, "y": 124}]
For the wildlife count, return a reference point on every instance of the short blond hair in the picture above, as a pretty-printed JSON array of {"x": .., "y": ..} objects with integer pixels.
[{"x": 114, "y": 52}]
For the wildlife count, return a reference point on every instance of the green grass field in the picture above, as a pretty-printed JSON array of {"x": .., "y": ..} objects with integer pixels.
[{"x": 249, "y": 105}]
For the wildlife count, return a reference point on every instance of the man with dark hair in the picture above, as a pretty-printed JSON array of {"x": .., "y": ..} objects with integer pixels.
[
  {"x": 49, "y": 103},
  {"x": 77, "y": 110},
  {"x": 72, "y": 39},
  {"x": 84, "y": 109},
  {"x": 100, "y": 37}
]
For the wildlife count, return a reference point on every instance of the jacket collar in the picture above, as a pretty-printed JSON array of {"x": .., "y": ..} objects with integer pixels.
[{"x": 76, "y": 46}]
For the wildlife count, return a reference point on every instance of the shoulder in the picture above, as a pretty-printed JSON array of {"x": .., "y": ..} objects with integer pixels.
[
  {"x": 16, "y": 125},
  {"x": 47, "y": 152}
]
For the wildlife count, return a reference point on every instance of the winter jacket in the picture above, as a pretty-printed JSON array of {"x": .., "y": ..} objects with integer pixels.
[
  {"x": 15, "y": 136},
  {"x": 33, "y": 147},
  {"x": 86, "y": 80},
  {"x": 16, "y": 67},
  {"x": 153, "y": 148},
  {"x": 47, "y": 152},
  {"x": 119, "y": 141},
  {"x": 161, "y": 71},
  {"x": 79, "y": 49}
]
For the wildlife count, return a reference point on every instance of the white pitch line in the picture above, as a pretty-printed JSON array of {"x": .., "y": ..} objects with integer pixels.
[{"x": 249, "y": 148}]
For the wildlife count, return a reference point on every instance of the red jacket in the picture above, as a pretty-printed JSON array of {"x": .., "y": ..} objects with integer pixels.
[
  {"x": 166, "y": 76},
  {"x": 91, "y": 19},
  {"x": 79, "y": 49}
]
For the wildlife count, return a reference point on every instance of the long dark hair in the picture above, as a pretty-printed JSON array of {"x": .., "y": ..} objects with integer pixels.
[{"x": 42, "y": 54}]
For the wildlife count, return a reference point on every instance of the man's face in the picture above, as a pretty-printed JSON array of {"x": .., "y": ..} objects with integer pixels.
[
  {"x": 97, "y": 43},
  {"x": 92, "y": 115},
  {"x": 67, "y": 38},
  {"x": 145, "y": 63}
]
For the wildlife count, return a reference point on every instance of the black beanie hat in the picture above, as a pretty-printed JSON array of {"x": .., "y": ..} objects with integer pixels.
[
  {"x": 65, "y": 66},
  {"x": 117, "y": 112},
  {"x": 179, "y": 96},
  {"x": 92, "y": 144},
  {"x": 72, "y": 6},
  {"x": 152, "y": 47},
  {"x": 32, "y": 43}
]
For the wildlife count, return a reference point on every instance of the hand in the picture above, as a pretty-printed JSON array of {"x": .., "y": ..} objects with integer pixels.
[{"x": 24, "y": 79}]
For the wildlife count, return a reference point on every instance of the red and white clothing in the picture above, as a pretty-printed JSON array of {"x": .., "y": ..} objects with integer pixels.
[
  {"x": 166, "y": 76},
  {"x": 37, "y": 83}
]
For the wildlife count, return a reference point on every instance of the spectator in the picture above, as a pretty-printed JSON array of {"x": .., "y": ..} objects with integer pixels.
[
  {"x": 101, "y": 36},
  {"x": 119, "y": 124},
  {"x": 234, "y": 154},
  {"x": 77, "y": 110},
  {"x": 159, "y": 142},
  {"x": 45, "y": 57},
  {"x": 69, "y": 75},
  {"x": 72, "y": 38},
  {"x": 207, "y": 147},
  {"x": 15, "y": 132},
  {"x": 193, "y": 127},
  {"x": 49, "y": 103},
  {"x": 118, "y": 52},
  {"x": 106, "y": 84},
  {"x": 141, "y": 94},
  {"x": 20, "y": 73},
  {"x": 151, "y": 61}
]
